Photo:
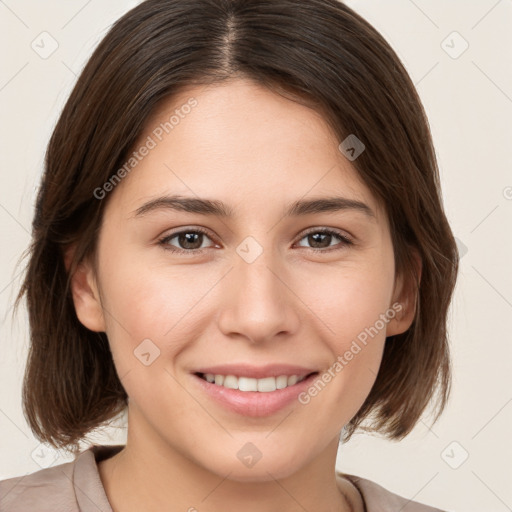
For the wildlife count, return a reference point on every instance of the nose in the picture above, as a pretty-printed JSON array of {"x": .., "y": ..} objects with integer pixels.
[{"x": 259, "y": 302}]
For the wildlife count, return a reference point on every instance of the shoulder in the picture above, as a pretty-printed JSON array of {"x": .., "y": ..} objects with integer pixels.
[
  {"x": 379, "y": 499},
  {"x": 47, "y": 489},
  {"x": 70, "y": 487}
]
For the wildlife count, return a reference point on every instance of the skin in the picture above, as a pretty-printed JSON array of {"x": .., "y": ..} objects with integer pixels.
[{"x": 256, "y": 151}]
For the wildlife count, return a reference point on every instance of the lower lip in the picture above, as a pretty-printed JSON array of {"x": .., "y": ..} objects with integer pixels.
[{"x": 254, "y": 403}]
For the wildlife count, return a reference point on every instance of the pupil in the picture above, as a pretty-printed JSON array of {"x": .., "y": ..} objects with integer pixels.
[
  {"x": 323, "y": 235},
  {"x": 187, "y": 238}
]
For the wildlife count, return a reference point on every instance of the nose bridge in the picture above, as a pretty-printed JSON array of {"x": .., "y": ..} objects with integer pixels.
[
  {"x": 259, "y": 305},
  {"x": 255, "y": 270}
]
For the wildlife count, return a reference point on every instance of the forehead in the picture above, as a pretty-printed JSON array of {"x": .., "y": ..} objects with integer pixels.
[{"x": 242, "y": 144}]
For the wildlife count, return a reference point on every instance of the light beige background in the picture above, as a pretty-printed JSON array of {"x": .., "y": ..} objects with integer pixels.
[{"x": 469, "y": 103}]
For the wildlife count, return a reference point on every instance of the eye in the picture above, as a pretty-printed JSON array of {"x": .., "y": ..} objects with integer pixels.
[
  {"x": 323, "y": 237},
  {"x": 190, "y": 241}
]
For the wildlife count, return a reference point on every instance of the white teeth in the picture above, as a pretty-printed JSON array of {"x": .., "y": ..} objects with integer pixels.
[
  {"x": 267, "y": 384},
  {"x": 264, "y": 385},
  {"x": 292, "y": 379},
  {"x": 281, "y": 382},
  {"x": 230, "y": 381},
  {"x": 247, "y": 384}
]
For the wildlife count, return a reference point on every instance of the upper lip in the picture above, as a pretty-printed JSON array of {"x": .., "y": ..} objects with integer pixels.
[{"x": 257, "y": 372}]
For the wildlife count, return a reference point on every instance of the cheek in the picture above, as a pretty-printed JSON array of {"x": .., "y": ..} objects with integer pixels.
[
  {"x": 156, "y": 312},
  {"x": 351, "y": 307},
  {"x": 143, "y": 303},
  {"x": 147, "y": 331},
  {"x": 349, "y": 299}
]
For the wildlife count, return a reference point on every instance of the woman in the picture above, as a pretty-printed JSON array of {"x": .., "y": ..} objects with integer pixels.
[{"x": 239, "y": 237}]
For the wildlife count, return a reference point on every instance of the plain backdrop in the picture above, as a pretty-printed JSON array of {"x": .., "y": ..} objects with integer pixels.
[{"x": 459, "y": 55}]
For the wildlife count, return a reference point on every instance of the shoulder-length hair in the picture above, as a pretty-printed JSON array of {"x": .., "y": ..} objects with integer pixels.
[{"x": 318, "y": 52}]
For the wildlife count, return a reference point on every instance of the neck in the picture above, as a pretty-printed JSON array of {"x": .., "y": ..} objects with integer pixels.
[{"x": 151, "y": 474}]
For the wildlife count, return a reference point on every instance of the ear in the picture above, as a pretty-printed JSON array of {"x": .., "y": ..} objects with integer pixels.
[
  {"x": 85, "y": 294},
  {"x": 405, "y": 293}
]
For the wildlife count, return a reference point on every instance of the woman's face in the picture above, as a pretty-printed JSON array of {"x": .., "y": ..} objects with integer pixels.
[{"x": 260, "y": 287}]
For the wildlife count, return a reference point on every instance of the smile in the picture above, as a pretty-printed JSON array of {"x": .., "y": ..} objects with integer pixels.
[
  {"x": 250, "y": 396},
  {"x": 263, "y": 385}
]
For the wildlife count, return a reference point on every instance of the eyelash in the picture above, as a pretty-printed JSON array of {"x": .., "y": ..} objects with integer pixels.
[{"x": 345, "y": 241}]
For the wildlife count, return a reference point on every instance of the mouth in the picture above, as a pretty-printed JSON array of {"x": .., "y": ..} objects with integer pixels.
[
  {"x": 251, "y": 397},
  {"x": 248, "y": 384}
]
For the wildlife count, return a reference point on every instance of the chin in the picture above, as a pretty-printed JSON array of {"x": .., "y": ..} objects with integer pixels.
[{"x": 263, "y": 470}]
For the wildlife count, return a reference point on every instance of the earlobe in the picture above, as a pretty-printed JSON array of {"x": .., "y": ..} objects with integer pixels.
[
  {"x": 86, "y": 299},
  {"x": 407, "y": 296}
]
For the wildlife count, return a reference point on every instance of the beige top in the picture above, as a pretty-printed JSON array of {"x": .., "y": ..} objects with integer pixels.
[{"x": 76, "y": 487}]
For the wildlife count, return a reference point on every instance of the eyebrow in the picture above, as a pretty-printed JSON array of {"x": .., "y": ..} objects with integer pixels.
[{"x": 217, "y": 208}]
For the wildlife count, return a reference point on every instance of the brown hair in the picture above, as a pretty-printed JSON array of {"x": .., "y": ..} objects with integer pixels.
[{"x": 318, "y": 52}]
